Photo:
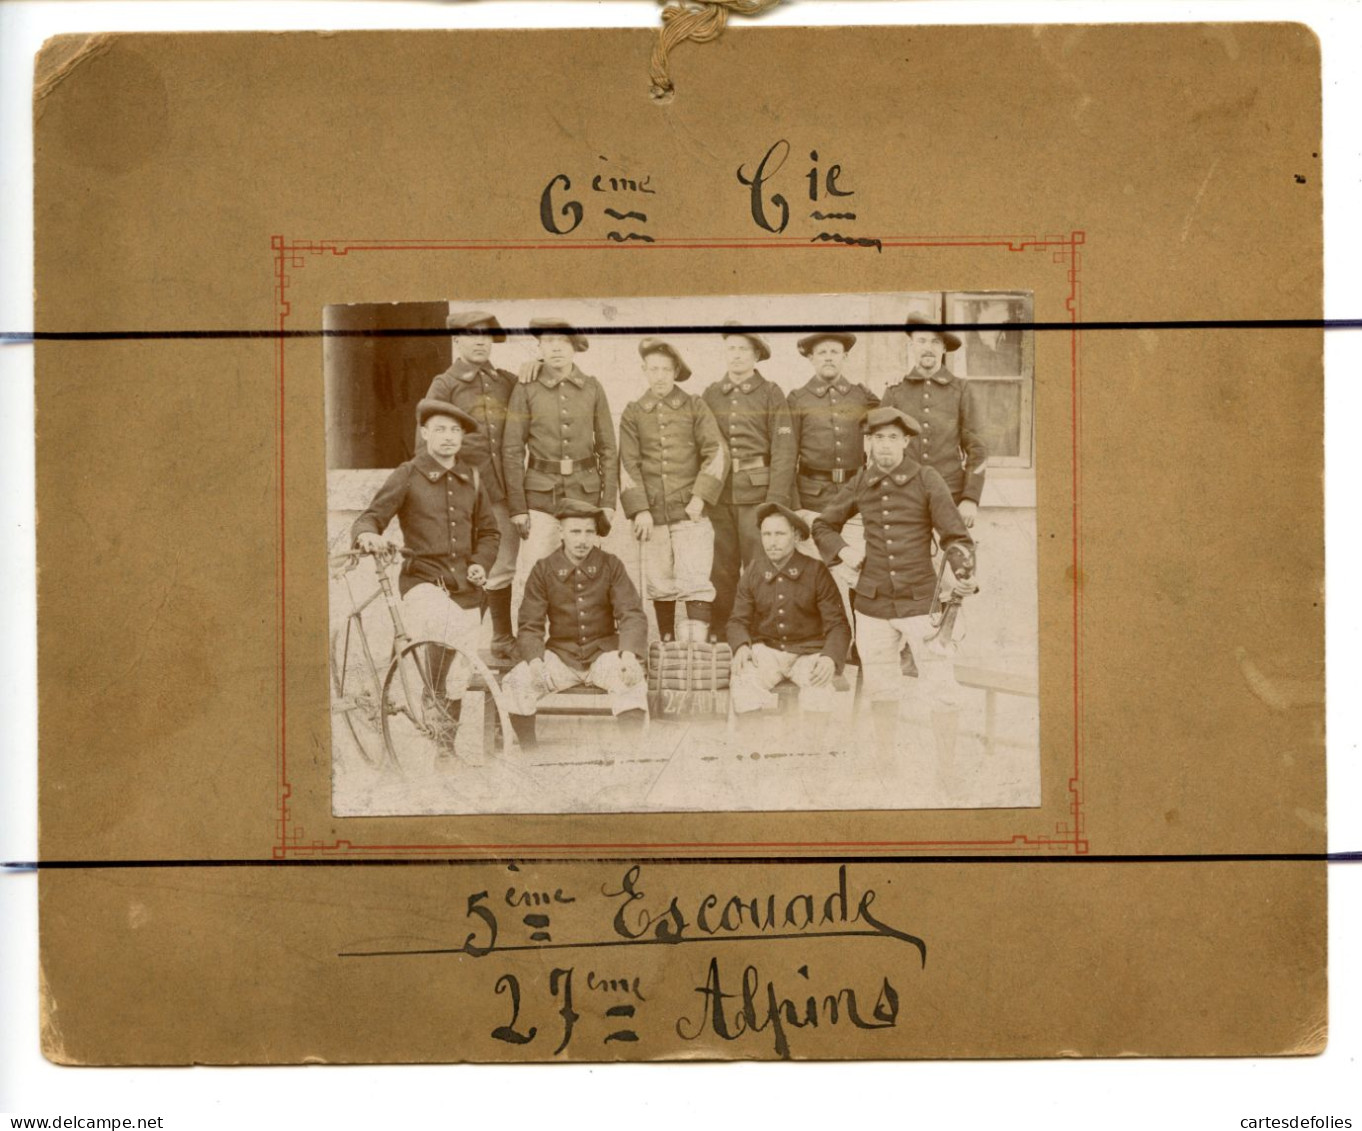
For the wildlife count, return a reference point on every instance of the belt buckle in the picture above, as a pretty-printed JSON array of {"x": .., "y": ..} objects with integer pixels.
[
  {"x": 839, "y": 474},
  {"x": 565, "y": 466}
]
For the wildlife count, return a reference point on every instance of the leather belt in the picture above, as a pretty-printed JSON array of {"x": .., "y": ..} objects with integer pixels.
[
  {"x": 828, "y": 475},
  {"x": 751, "y": 462},
  {"x": 562, "y": 466}
]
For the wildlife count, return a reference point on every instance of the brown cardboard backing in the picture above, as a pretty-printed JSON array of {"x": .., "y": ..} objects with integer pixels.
[{"x": 239, "y": 183}]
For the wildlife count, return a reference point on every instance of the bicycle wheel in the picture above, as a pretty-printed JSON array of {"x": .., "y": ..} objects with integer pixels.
[
  {"x": 420, "y": 724},
  {"x": 356, "y": 694}
]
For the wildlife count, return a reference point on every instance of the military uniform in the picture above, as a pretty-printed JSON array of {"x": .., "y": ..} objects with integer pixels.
[
  {"x": 484, "y": 393},
  {"x": 448, "y": 524},
  {"x": 593, "y": 614},
  {"x": 900, "y": 508},
  {"x": 789, "y": 614},
  {"x": 952, "y": 437},
  {"x": 754, "y": 418},
  {"x": 558, "y": 444},
  {"x": 827, "y": 419},
  {"x": 671, "y": 450}
]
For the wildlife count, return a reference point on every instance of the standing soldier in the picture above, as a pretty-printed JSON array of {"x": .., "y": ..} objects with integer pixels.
[
  {"x": 672, "y": 463},
  {"x": 754, "y": 419},
  {"x": 594, "y": 619},
  {"x": 559, "y": 443},
  {"x": 827, "y": 415},
  {"x": 901, "y": 503},
  {"x": 950, "y": 438},
  {"x": 475, "y": 385},
  {"x": 446, "y": 515}
]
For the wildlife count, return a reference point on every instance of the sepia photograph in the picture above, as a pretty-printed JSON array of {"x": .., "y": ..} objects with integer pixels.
[{"x": 682, "y": 554}]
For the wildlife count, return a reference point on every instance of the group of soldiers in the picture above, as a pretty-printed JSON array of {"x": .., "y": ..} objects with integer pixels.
[{"x": 741, "y": 499}]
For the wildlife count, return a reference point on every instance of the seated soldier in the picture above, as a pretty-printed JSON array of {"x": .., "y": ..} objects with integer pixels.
[
  {"x": 449, "y": 526},
  {"x": 787, "y": 622},
  {"x": 596, "y": 626}
]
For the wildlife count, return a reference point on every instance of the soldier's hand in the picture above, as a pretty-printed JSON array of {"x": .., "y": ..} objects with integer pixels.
[
  {"x": 529, "y": 371},
  {"x": 373, "y": 544},
  {"x": 852, "y": 557},
  {"x": 823, "y": 671},
  {"x": 643, "y": 526},
  {"x": 630, "y": 670},
  {"x": 964, "y": 587},
  {"x": 742, "y": 657},
  {"x": 477, "y": 575},
  {"x": 537, "y": 672},
  {"x": 969, "y": 511},
  {"x": 695, "y": 509},
  {"x": 521, "y": 522}
]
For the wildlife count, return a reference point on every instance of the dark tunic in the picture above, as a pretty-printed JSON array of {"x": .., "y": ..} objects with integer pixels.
[
  {"x": 447, "y": 522},
  {"x": 900, "y": 509},
  {"x": 590, "y": 608},
  {"x": 952, "y": 439},
  {"x": 484, "y": 393},
  {"x": 793, "y": 609},
  {"x": 827, "y": 419}
]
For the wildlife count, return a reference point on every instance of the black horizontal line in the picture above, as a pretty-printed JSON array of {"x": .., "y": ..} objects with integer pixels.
[
  {"x": 426, "y": 952},
  {"x": 1352, "y": 857},
  {"x": 10, "y": 337}
]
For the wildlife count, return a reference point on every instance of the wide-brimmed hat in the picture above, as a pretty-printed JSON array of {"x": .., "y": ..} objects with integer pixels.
[
  {"x": 759, "y": 343},
  {"x": 887, "y": 414},
  {"x": 657, "y": 345},
  {"x": 576, "y": 508},
  {"x": 476, "y": 320},
  {"x": 805, "y": 345},
  {"x": 915, "y": 322},
  {"x": 797, "y": 524},
  {"x": 540, "y": 326},
  {"x": 429, "y": 406}
]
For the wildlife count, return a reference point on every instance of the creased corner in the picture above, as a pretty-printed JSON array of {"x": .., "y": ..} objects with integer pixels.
[
  {"x": 1313, "y": 1040},
  {"x": 53, "y": 1044},
  {"x": 60, "y": 57}
]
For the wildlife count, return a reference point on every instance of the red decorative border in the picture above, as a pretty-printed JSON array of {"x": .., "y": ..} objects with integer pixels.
[{"x": 291, "y": 256}]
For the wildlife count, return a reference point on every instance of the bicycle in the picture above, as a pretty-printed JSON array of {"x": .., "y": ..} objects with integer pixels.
[{"x": 396, "y": 712}]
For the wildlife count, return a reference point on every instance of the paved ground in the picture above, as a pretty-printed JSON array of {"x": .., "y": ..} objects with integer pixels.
[{"x": 593, "y": 765}]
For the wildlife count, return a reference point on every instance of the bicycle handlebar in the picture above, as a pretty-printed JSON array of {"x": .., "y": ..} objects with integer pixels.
[{"x": 345, "y": 560}]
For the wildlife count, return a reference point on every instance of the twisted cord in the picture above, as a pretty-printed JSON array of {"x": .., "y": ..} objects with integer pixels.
[{"x": 700, "y": 20}]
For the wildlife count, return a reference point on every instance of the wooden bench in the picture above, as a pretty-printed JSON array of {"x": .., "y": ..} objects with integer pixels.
[
  {"x": 581, "y": 702},
  {"x": 994, "y": 682}
]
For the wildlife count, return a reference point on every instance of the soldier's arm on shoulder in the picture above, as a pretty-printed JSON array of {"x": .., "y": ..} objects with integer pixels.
[
  {"x": 827, "y": 526},
  {"x": 387, "y": 501},
  {"x": 714, "y": 457},
  {"x": 534, "y": 611}
]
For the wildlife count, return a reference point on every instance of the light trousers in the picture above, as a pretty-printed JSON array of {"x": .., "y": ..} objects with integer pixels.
[{"x": 524, "y": 687}]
